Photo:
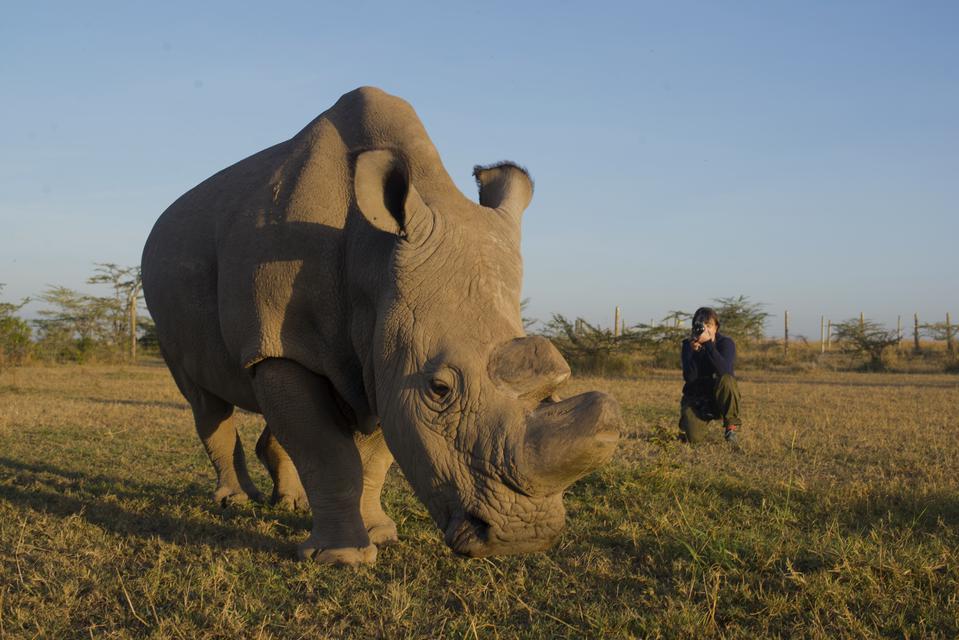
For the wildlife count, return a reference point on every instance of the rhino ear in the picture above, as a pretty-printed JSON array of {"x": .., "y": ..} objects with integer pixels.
[
  {"x": 505, "y": 186},
  {"x": 384, "y": 194}
]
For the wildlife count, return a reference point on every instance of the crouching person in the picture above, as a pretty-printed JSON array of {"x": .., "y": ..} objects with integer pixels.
[{"x": 710, "y": 391}]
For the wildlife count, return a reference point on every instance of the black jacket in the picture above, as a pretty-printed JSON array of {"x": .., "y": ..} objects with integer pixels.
[{"x": 702, "y": 368}]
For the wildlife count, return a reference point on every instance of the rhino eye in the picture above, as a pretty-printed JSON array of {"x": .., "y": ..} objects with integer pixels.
[{"x": 439, "y": 389}]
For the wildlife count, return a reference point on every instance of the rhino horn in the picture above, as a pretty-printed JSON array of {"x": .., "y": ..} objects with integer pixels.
[
  {"x": 566, "y": 440},
  {"x": 530, "y": 367}
]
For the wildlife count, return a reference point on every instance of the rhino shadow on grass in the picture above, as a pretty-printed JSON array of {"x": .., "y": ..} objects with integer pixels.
[
  {"x": 154, "y": 404},
  {"x": 94, "y": 501},
  {"x": 53, "y": 393}
]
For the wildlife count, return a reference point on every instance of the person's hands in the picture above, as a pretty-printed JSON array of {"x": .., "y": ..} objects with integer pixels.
[{"x": 709, "y": 335}]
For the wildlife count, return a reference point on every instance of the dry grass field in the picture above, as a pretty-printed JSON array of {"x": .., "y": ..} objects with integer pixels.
[{"x": 838, "y": 518}]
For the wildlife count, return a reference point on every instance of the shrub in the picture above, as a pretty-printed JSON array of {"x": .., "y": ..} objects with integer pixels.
[
  {"x": 14, "y": 334},
  {"x": 867, "y": 339},
  {"x": 591, "y": 349}
]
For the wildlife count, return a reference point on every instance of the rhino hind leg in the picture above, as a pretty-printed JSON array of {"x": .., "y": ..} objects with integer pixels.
[
  {"x": 214, "y": 424},
  {"x": 288, "y": 491},
  {"x": 301, "y": 409},
  {"x": 376, "y": 462}
]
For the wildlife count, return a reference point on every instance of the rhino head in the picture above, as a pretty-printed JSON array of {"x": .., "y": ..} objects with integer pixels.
[{"x": 467, "y": 401}]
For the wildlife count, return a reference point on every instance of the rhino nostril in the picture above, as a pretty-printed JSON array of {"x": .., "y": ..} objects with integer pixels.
[
  {"x": 466, "y": 533},
  {"x": 480, "y": 526}
]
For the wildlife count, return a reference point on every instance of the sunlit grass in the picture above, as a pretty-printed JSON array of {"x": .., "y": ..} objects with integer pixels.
[{"x": 839, "y": 518}]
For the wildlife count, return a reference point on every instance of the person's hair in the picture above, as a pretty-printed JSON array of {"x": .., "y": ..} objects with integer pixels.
[{"x": 705, "y": 314}]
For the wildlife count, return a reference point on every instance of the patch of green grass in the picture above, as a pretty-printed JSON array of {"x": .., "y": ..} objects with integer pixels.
[{"x": 839, "y": 518}]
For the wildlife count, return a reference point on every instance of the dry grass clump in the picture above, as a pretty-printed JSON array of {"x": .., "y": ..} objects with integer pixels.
[{"x": 839, "y": 518}]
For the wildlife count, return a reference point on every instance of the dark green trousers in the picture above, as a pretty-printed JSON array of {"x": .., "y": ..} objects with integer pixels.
[{"x": 695, "y": 413}]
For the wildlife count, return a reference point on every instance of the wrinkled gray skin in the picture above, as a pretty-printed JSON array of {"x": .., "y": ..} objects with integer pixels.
[{"x": 339, "y": 281}]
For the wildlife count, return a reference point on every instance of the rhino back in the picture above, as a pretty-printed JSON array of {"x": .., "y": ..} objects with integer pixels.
[
  {"x": 181, "y": 278},
  {"x": 249, "y": 264}
]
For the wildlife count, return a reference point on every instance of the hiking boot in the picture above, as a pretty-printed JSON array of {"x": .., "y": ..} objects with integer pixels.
[{"x": 732, "y": 439}]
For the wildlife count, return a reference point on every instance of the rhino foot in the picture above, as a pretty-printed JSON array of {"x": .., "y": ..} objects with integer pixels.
[
  {"x": 343, "y": 556},
  {"x": 290, "y": 501},
  {"x": 235, "y": 496},
  {"x": 382, "y": 534}
]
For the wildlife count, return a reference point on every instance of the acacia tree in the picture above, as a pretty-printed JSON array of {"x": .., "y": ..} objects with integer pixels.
[
  {"x": 527, "y": 322},
  {"x": 944, "y": 331},
  {"x": 74, "y": 324},
  {"x": 14, "y": 333},
  {"x": 867, "y": 338},
  {"x": 588, "y": 347},
  {"x": 127, "y": 292},
  {"x": 666, "y": 335},
  {"x": 741, "y": 318}
]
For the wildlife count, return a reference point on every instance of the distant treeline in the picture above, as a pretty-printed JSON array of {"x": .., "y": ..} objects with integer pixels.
[
  {"x": 857, "y": 343},
  {"x": 78, "y": 327}
]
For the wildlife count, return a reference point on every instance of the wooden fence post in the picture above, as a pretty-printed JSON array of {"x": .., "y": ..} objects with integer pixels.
[
  {"x": 950, "y": 344},
  {"x": 133, "y": 331},
  {"x": 822, "y": 334},
  {"x": 828, "y": 335},
  {"x": 616, "y": 322},
  {"x": 915, "y": 333},
  {"x": 862, "y": 322},
  {"x": 785, "y": 334}
]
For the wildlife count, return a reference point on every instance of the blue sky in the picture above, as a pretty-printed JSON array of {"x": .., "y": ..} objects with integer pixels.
[{"x": 803, "y": 154}]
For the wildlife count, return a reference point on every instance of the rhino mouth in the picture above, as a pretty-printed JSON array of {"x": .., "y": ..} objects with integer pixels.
[{"x": 467, "y": 535}]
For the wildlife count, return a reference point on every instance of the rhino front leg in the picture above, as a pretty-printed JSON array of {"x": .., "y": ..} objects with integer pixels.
[
  {"x": 214, "y": 424},
  {"x": 376, "y": 462},
  {"x": 287, "y": 489},
  {"x": 302, "y": 412}
]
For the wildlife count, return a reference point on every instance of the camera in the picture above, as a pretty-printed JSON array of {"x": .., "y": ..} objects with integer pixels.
[{"x": 698, "y": 328}]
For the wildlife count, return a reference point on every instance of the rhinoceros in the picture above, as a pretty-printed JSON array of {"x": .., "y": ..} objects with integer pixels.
[{"x": 340, "y": 285}]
